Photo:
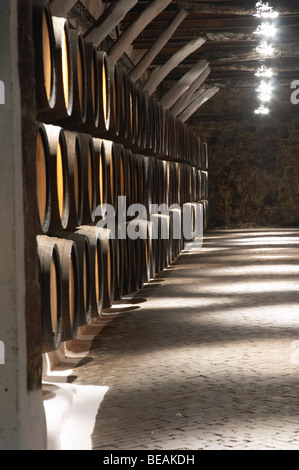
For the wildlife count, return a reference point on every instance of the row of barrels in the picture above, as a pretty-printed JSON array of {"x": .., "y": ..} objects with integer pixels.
[
  {"x": 75, "y": 173},
  {"x": 85, "y": 271},
  {"x": 80, "y": 89}
]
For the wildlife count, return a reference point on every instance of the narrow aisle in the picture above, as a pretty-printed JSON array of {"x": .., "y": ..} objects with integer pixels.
[{"x": 206, "y": 356}]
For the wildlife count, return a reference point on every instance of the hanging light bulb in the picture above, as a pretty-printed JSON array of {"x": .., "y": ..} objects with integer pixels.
[
  {"x": 264, "y": 10},
  {"x": 264, "y": 91},
  {"x": 264, "y": 71},
  {"x": 266, "y": 29},
  {"x": 265, "y": 49},
  {"x": 262, "y": 110}
]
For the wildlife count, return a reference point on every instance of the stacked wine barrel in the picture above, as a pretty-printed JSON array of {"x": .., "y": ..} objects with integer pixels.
[{"x": 100, "y": 136}]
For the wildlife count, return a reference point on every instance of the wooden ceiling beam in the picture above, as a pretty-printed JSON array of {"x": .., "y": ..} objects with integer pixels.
[
  {"x": 131, "y": 33},
  {"x": 183, "y": 84},
  {"x": 158, "y": 75},
  {"x": 156, "y": 47}
]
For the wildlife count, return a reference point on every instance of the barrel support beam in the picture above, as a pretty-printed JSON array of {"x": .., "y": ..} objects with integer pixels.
[
  {"x": 146, "y": 16},
  {"x": 183, "y": 84},
  {"x": 193, "y": 107},
  {"x": 109, "y": 20},
  {"x": 180, "y": 104},
  {"x": 158, "y": 45},
  {"x": 160, "y": 73}
]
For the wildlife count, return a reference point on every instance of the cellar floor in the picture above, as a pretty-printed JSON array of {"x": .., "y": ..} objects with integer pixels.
[{"x": 205, "y": 356}]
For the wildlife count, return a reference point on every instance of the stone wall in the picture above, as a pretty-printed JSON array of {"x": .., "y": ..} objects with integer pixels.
[{"x": 253, "y": 160}]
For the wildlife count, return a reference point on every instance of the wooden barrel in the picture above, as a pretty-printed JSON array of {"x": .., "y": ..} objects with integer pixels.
[
  {"x": 144, "y": 247},
  {"x": 134, "y": 178},
  {"x": 144, "y": 122},
  {"x": 52, "y": 184},
  {"x": 70, "y": 276},
  {"x": 160, "y": 239},
  {"x": 89, "y": 178},
  {"x": 133, "y": 265},
  {"x": 204, "y": 156},
  {"x": 140, "y": 180},
  {"x": 85, "y": 265},
  {"x": 78, "y": 115},
  {"x": 165, "y": 132},
  {"x": 176, "y": 232},
  {"x": 64, "y": 71},
  {"x": 97, "y": 269},
  {"x": 149, "y": 126},
  {"x": 92, "y": 88},
  {"x": 45, "y": 59},
  {"x": 75, "y": 174},
  {"x": 101, "y": 171},
  {"x": 111, "y": 171},
  {"x": 51, "y": 293},
  {"x": 198, "y": 185},
  {"x": 121, "y": 178},
  {"x": 103, "y": 95},
  {"x": 137, "y": 97},
  {"x": 204, "y": 185},
  {"x": 205, "y": 214},
  {"x": 189, "y": 220},
  {"x": 119, "y": 269},
  {"x": 148, "y": 181},
  {"x": 114, "y": 75},
  {"x": 107, "y": 247},
  {"x": 128, "y": 169},
  {"x": 126, "y": 266}
]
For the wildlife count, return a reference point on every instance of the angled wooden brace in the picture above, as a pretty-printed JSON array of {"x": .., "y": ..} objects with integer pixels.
[
  {"x": 148, "y": 14},
  {"x": 109, "y": 20},
  {"x": 160, "y": 73},
  {"x": 183, "y": 84},
  {"x": 158, "y": 45},
  {"x": 182, "y": 102},
  {"x": 208, "y": 94}
]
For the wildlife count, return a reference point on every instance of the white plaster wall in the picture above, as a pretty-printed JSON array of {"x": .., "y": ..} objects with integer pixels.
[{"x": 21, "y": 413}]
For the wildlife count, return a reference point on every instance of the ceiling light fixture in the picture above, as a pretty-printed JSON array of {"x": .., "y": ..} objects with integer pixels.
[
  {"x": 262, "y": 110},
  {"x": 264, "y": 71},
  {"x": 265, "y": 11},
  {"x": 266, "y": 29},
  {"x": 265, "y": 49}
]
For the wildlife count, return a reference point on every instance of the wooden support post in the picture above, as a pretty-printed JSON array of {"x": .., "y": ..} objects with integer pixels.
[
  {"x": 180, "y": 104},
  {"x": 148, "y": 14},
  {"x": 59, "y": 8},
  {"x": 197, "y": 103},
  {"x": 183, "y": 84},
  {"x": 158, "y": 45},
  {"x": 160, "y": 73},
  {"x": 109, "y": 20}
]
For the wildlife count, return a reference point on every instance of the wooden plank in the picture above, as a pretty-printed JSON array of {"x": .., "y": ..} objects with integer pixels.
[
  {"x": 183, "y": 84},
  {"x": 59, "y": 8},
  {"x": 105, "y": 24},
  {"x": 181, "y": 103},
  {"x": 131, "y": 33},
  {"x": 149, "y": 56},
  {"x": 193, "y": 107},
  {"x": 160, "y": 73}
]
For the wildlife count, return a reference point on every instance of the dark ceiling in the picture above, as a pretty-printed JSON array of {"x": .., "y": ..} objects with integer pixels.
[{"x": 226, "y": 26}]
